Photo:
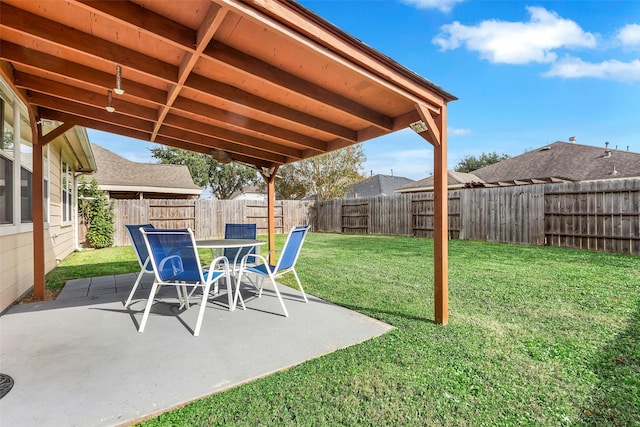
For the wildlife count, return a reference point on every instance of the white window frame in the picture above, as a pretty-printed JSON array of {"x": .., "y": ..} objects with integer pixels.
[
  {"x": 66, "y": 192},
  {"x": 17, "y": 226}
]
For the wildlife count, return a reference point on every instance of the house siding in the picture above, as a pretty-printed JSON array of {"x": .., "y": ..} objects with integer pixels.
[{"x": 16, "y": 248}]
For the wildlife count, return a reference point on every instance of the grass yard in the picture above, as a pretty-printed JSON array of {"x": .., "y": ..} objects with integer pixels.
[{"x": 537, "y": 336}]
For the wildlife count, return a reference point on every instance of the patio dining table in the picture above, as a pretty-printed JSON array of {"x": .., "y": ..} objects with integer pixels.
[{"x": 219, "y": 245}]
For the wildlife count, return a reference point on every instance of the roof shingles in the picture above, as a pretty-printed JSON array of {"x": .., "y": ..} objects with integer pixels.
[{"x": 114, "y": 170}]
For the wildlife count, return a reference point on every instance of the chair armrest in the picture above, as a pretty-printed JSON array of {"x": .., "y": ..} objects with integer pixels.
[
  {"x": 255, "y": 257},
  {"x": 212, "y": 267}
]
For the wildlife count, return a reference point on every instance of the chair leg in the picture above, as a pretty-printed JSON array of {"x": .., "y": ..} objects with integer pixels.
[
  {"x": 203, "y": 305},
  {"x": 133, "y": 290},
  {"x": 300, "y": 285},
  {"x": 238, "y": 294},
  {"x": 273, "y": 282},
  {"x": 145, "y": 316}
]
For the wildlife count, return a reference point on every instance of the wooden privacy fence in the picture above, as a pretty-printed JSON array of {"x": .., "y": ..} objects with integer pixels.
[
  {"x": 207, "y": 218},
  {"x": 598, "y": 215}
]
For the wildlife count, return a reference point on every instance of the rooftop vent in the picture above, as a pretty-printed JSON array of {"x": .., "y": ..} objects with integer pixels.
[
  {"x": 547, "y": 148},
  {"x": 572, "y": 139}
]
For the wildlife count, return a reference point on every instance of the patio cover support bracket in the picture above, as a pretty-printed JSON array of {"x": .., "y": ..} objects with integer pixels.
[
  {"x": 436, "y": 135},
  {"x": 270, "y": 178}
]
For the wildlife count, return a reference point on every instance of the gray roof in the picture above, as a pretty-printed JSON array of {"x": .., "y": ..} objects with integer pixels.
[
  {"x": 557, "y": 162},
  {"x": 573, "y": 162},
  {"x": 377, "y": 185},
  {"x": 454, "y": 180},
  {"x": 116, "y": 171}
]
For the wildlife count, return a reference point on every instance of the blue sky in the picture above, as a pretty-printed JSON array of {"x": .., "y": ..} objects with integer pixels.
[{"x": 527, "y": 73}]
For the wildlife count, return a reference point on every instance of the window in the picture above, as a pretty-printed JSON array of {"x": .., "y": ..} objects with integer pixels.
[
  {"x": 47, "y": 198},
  {"x": 67, "y": 193},
  {"x": 6, "y": 161},
  {"x": 26, "y": 168},
  {"x": 26, "y": 188}
]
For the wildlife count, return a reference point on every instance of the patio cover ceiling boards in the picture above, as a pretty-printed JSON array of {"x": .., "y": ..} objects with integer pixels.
[{"x": 268, "y": 82}]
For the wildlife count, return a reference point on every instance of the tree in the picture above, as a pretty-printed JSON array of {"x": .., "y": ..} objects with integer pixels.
[
  {"x": 97, "y": 213},
  {"x": 472, "y": 163},
  {"x": 222, "y": 179},
  {"x": 327, "y": 176}
]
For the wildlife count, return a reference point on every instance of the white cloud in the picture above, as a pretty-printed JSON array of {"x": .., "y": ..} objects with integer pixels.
[
  {"x": 517, "y": 42},
  {"x": 629, "y": 35},
  {"x": 571, "y": 67},
  {"x": 459, "y": 132},
  {"x": 441, "y": 5}
]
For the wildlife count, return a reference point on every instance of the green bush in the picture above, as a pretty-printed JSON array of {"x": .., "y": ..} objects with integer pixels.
[{"x": 97, "y": 212}]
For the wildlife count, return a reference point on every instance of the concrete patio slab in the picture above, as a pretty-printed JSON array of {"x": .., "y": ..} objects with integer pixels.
[{"x": 80, "y": 361}]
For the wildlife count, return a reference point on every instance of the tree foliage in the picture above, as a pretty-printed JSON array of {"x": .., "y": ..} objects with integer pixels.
[
  {"x": 327, "y": 176},
  {"x": 222, "y": 179},
  {"x": 472, "y": 163},
  {"x": 97, "y": 213}
]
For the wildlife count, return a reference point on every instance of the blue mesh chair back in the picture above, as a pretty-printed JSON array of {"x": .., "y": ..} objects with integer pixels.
[
  {"x": 174, "y": 255},
  {"x": 138, "y": 243},
  {"x": 239, "y": 231},
  {"x": 292, "y": 247},
  {"x": 286, "y": 263}
]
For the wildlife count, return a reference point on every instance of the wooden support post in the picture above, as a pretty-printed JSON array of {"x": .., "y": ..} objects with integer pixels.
[
  {"x": 37, "y": 197},
  {"x": 436, "y": 134},
  {"x": 441, "y": 226},
  {"x": 270, "y": 178}
]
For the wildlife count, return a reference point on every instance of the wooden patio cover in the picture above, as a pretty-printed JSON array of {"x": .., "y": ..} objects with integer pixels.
[{"x": 261, "y": 82}]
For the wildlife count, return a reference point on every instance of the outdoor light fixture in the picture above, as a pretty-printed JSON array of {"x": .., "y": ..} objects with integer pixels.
[
  {"x": 118, "y": 89},
  {"x": 220, "y": 156},
  {"x": 418, "y": 127},
  {"x": 109, "y": 106}
]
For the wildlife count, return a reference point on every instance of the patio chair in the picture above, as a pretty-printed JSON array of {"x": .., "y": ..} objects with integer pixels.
[
  {"x": 141, "y": 253},
  {"x": 286, "y": 263},
  {"x": 239, "y": 231},
  {"x": 174, "y": 257}
]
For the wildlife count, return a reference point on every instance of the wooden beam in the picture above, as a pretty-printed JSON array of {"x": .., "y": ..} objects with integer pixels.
[
  {"x": 95, "y": 113},
  {"x": 83, "y": 97},
  {"x": 249, "y": 160},
  {"x": 53, "y": 134},
  {"x": 436, "y": 134},
  {"x": 212, "y": 21},
  {"x": 270, "y": 179},
  {"x": 441, "y": 230},
  {"x": 143, "y": 19},
  {"x": 47, "y": 113},
  {"x": 207, "y": 141},
  {"x": 432, "y": 132},
  {"x": 69, "y": 38},
  {"x": 37, "y": 198},
  {"x": 231, "y": 136},
  {"x": 221, "y": 53},
  {"x": 35, "y": 60},
  {"x": 242, "y": 122},
  {"x": 248, "y": 100}
]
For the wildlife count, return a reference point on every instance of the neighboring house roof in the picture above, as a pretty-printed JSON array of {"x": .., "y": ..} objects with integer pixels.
[
  {"x": 377, "y": 185},
  {"x": 250, "y": 192},
  {"x": 115, "y": 173},
  {"x": 573, "y": 162},
  {"x": 557, "y": 162},
  {"x": 454, "y": 180}
]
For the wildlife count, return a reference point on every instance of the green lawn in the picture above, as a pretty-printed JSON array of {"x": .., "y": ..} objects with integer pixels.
[{"x": 537, "y": 336}]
